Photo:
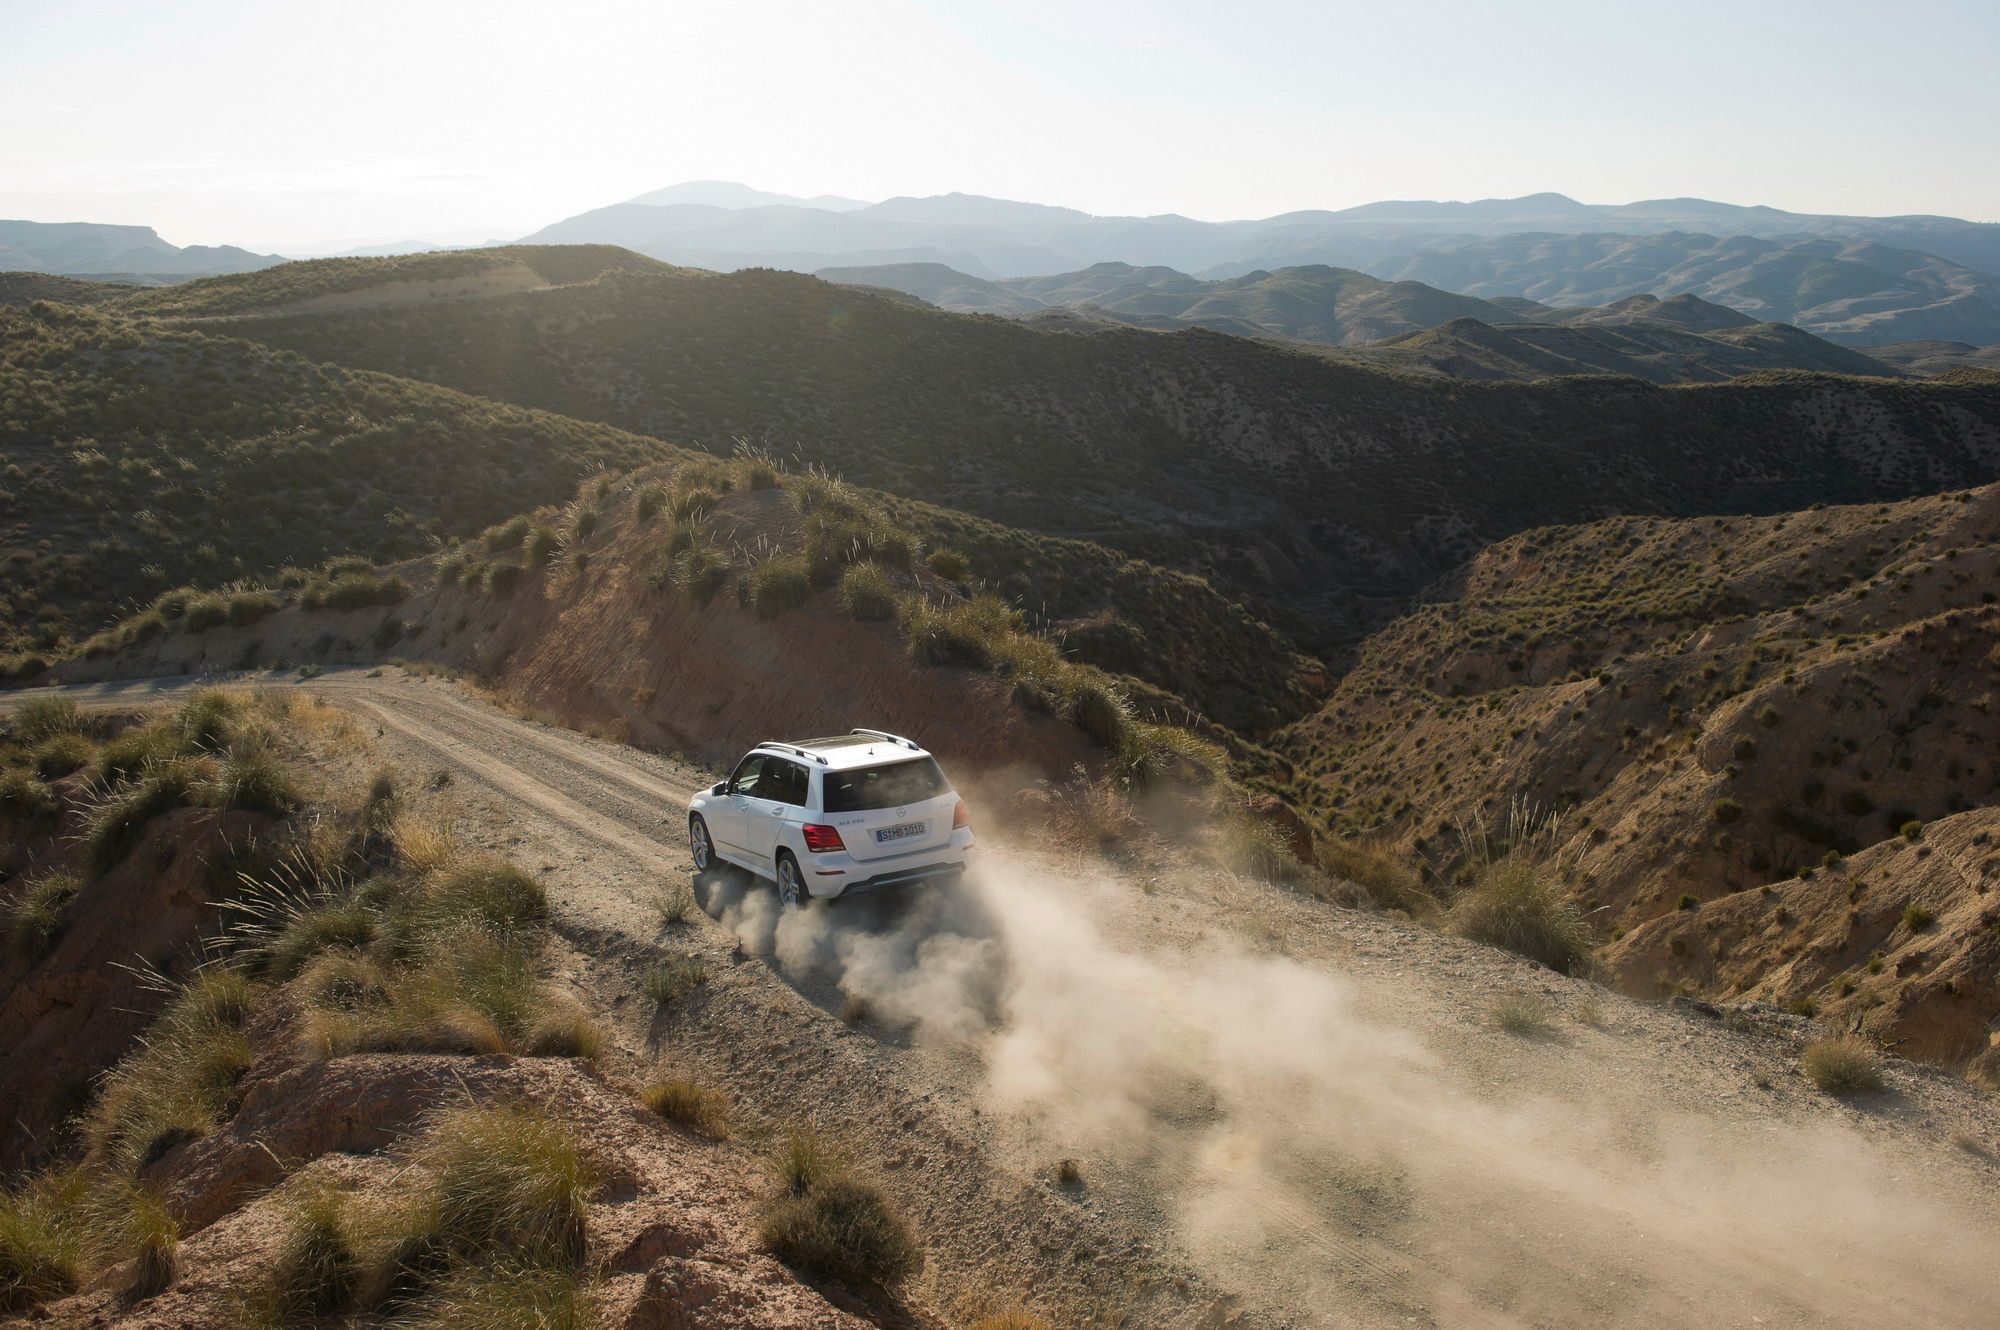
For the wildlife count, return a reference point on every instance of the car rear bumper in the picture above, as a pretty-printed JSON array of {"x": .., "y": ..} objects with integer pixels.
[{"x": 927, "y": 875}]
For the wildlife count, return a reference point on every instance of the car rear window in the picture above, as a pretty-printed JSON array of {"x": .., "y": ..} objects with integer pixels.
[{"x": 888, "y": 785}]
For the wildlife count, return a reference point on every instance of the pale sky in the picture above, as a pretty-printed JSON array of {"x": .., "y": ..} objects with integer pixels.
[{"x": 279, "y": 124}]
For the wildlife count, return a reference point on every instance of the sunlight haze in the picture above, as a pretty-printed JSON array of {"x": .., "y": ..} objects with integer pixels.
[{"x": 288, "y": 126}]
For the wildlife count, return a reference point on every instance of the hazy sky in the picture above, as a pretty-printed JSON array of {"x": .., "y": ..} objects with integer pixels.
[{"x": 284, "y": 124}]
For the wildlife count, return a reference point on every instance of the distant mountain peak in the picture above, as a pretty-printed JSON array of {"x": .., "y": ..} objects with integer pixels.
[{"x": 733, "y": 195}]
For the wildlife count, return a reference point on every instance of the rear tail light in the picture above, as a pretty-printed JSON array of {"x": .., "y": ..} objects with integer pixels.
[
  {"x": 821, "y": 839},
  {"x": 961, "y": 817}
]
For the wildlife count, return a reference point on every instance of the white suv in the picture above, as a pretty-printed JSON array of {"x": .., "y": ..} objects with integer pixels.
[{"x": 827, "y": 817}]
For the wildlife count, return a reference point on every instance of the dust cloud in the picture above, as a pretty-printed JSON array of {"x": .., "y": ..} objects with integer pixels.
[{"x": 1350, "y": 1172}]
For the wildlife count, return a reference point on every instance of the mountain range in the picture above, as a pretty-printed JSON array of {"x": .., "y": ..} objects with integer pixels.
[
  {"x": 120, "y": 253},
  {"x": 1860, "y": 281},
  {"x": 1402, "y": 325}
]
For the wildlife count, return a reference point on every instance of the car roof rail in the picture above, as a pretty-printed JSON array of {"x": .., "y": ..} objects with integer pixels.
[
  {"x": 910, "y": 744},
  {"x": 794, "y": 750}
]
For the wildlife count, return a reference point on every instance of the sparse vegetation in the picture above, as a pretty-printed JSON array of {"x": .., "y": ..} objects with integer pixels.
[
  {"x": 673, "y": 979},
  {"x": 690, "y": 1103},
  {"x": 1524, "y": 1017},
  {"x": 1846, "y": 1065},
  {"x": 1516, "y": 900}
]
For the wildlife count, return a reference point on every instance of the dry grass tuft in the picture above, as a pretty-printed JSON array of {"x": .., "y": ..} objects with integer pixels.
[
  {"x": 1846, "y": 1065},
  {"x": 674, "y": 978},
  {"x": 175, "y": 1087},
  {"x": 690, "y": 1103},
  {"x": 805, "y": 1158},
  {"x": 425, "y": 841},
  {"x": 42, "y": 1240},
  {"x": 1515, "y": 903},
  {"x": 1388, "y": 881},
  {"x": 1524, "y": 1017},
  {"x": 315, "y": 1272},
  {"x": 33, "y": 919},
  {"x": 843, "y": 1229}
]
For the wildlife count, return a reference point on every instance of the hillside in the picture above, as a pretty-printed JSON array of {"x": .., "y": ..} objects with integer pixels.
[
  {"x": 1938, "y": 357},
  {"x": 1401, "y": 325},
  {"x": 134, "y": 459},
  {"x": 1852, "y": 291},
  {"x": 1656, "y": 352},
  {"x": 1775, "y": 736},
  {"x": 1331, "y": 489},
  {"x": 215, "y": 461},
  {"x": 332, "y": 284}
]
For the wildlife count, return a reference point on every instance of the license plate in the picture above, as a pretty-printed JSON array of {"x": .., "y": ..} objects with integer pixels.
[{"x": 904, "y": 832}]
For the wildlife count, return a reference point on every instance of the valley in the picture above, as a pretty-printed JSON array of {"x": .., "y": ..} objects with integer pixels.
[{"x": 1272, "y": 670}]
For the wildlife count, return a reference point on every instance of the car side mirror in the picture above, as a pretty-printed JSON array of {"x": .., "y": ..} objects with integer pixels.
[{"x": 720, "y": 787}]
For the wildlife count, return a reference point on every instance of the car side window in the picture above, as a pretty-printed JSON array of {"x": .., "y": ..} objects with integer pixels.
[
  {"x": 791, "y": 784},
  {"x": 747, "y": 773}
]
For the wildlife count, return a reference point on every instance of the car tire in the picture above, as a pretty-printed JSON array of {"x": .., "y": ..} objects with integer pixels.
[
  {"x": 791, "y": 883},
  {"x": 701, "y": 846}
]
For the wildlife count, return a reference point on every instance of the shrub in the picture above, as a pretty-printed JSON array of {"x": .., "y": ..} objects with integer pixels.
[
  {"x": 507, "y": 1179},
  {"x": 343, "y": 925},
  {"x": 562, "y": 1029},
  {"x": 487, "y": 891},
  {"x": 1916, "y": 918},
  {"x": 1149, "y": 753},
  {"x": 1846, "y": 1065},
  {"x": 41, "y": 718},
  {"x": 114, "y": 825},
  {"x": 315, "y": 1270},
  {"x": 1011, "y": 1320},
  {"x": 42, "y": 1239},
  {"x": 1514, "y": 903},
  {"x": 674, "y": 979},
  {"x": 1767, "y": 716},
  {"x": 1911, "y": 830},
  {"x": 354, "y": 589},
  {"x": 700, "y": 575},
  {"x": 1387, "y": 880},
  {"x": 146, "y": 1232},
  {"x": 207, "y": 720},
  {"x": 503, "y": 1295},
  {"x": 690, "y": 1103},
  {"x": 505, "y": 535},
  {"x": 843, "y": 1229},
  {"x": 1725, "y": 811},
  {"x": 1253, "y": 847},
  {"x": 1525, "y": 1017},
  {"x": 1744, "y": 748},
  {"x": 968, "y": 632},
  {"x": 253, "y": 778},
  {"x": 205, "y": 612},
  {"x": 137, "y": 749},
  {"x": 33, "y": 919},
  {"x": 60, "y": 754},
  {"x": 805, "y": 1158},
  {"x": 648, "y": 501},
  {"x": 26, "y": 793},
  {"x": 247, "y": 607},
  {"x": 1099, "y": 711},
  {"x": 948, "y": 564},
  {"x": 866, "y": 593},
  {"x": 175, "y": 1086},
  {"x": 693, "y": 501},
  {"x": 778, "y": 584},
  {"x": 502, "y": 579}
]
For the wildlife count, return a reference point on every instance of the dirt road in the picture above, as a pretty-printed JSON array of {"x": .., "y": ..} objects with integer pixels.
[{"x": 1278, "y": 1112}]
